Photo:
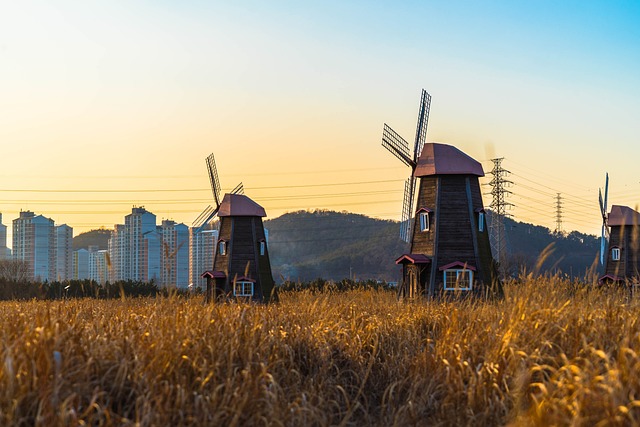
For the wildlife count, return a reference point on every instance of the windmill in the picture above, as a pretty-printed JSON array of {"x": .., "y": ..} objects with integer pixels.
[
  {"x": 393, "y": 142},
  {"x": 619, "y": 242},
  {"x": 241, "y": 266},
  {"x": 603, "y": 211},
  {"x": 450, "y": 253}
]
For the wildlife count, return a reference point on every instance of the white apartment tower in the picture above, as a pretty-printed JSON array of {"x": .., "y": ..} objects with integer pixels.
[
  {"x": 34, "y": 241},
  {"x": 64, "y": 252},
  {"x": 202, "y": 246},
  {"x": 5, "y": 253},
  {"x": 175, "y": 254}
]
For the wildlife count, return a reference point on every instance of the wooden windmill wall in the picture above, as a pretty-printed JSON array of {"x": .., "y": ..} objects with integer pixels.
[
  {"x": 456, "y": 237},
  {"x": 241, "y": 266}
]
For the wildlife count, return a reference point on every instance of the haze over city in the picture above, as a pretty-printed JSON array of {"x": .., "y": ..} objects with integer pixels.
[{"x": 106, "y": 106}]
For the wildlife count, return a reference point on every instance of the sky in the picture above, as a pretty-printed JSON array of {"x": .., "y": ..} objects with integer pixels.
[{"x": 109, "y": 105}]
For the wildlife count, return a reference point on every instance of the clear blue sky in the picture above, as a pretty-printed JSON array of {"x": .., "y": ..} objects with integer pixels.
[{"x": 134, "y": 95}]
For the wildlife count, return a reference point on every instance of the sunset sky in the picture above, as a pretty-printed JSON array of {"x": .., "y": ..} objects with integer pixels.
[{"x": 107, "y": 105}]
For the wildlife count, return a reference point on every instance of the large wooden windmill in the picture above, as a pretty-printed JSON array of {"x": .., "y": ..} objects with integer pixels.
[
  {"x": 241, "y": 266},
  {"x": 621, "y": 257},
  {"x": 449, "y": 249}
]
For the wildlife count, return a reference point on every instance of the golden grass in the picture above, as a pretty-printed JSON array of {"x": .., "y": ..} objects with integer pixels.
[{"x": 542, "y": 356}]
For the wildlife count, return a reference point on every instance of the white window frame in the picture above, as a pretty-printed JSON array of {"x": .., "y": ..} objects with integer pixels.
[
  {"x": 457, "y": 273},
  {"x": 424, "y": 221},
  {"x": 481, "y": 222},
  {"x": 243, "y": 289},
  {"x": 222, "y": 247},
  {"x": 263, "y": 247},
  {"x": 615, "y": 254}
]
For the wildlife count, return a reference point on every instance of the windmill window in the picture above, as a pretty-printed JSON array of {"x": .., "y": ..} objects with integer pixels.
[
  {"x": 222, "y": 247},
  {"x": 243, "y": 289},
  {"x": 458, "y": 280},
  {"x": 481, "y": 222},
  {"x": 263, "y": 247},
  {"x": 424, "y": 221},
  {"x": 615, "y": 254}
]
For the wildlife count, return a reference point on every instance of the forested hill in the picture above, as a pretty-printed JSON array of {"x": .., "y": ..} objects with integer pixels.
[
  {"x": 332, "y": 245},
  {"x": 99, "y": 238}
]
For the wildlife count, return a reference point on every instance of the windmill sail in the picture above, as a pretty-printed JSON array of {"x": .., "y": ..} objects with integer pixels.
[
  {"x": 213, "y": 178},
  {"x": 238, "y": 190},
  {"x": 603, "y": 211},
  {"x": 407, "y": 204},
  {"x": 421, "y": 127},
  {"x": 396, "y": 145}
]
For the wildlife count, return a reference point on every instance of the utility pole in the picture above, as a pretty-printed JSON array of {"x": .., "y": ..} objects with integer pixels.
[
  {"x": 499, "y": 207},
  {"x": 558, "y": 213}
]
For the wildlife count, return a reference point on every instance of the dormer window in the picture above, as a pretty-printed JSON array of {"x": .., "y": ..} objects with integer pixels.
[
  {"x": 222, "y": 247},
  {"x": 615, "y": 253},
  {"x": 423, "y": 218}
]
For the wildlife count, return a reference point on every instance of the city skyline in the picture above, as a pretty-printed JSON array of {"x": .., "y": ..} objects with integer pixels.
[{"x": 113, "y": 105}]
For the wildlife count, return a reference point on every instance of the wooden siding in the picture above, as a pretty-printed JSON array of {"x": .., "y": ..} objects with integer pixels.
[
  {"x": 629, "y": 264},
  {"x": 453, "y": 234},
  {"x": 243, "y": 235}
]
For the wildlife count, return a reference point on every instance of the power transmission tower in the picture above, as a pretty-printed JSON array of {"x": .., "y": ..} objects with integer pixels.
[
  {"x": 499, "y": 207},
  {"x": 558, "y": 213}
]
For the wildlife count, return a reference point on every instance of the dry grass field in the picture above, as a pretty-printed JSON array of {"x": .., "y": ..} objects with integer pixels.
[{"x": 545, "y": 355}]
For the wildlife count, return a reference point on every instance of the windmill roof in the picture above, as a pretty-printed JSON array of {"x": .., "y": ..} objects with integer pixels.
[
  {"x": 623, "y": 215},
  {"x": 240, "y": 205},
  {"x": 413, "y": 259},
  {"x": 443, "y": 159}
]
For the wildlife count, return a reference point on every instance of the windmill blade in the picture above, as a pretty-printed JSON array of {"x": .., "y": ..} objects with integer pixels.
[
  {"x": 213, "y": 177},
  {"x": 407, "y": 204},
  {"x": 397, "y": 145},
  {"x": 238, "y": 190},
  {"x": 207, "y": 220},
  {"x": 203, "y": 215},
  {"x": 606, "y": 192},
  {"x": 602, "y": 244},
  {"x": 421, "y": 127},
  {"x": 601, "y": 202}
]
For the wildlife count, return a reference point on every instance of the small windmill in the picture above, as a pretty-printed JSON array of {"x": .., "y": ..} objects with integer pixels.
[
  {"x": 241, "y": 266},
  {"x": 210, "y": 212},
  {"x": 449, "y": 250},
  {"x": 603, "y": 211},
  {"x": 393, "y": 142}
]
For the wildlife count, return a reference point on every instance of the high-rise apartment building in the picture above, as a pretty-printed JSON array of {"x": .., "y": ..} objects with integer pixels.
[
  {"x": 34, "y": 241},
  {"x": 80, "y": 264},
  {"x": 5, "y": 253},
  {"x": 99, "y": 266},
  {"x": 64, "y": 252},
  {"x": 202, "y": 246},
  {"x": 174, "y": 254}
]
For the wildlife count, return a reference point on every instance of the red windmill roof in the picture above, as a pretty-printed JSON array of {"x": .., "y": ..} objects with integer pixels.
[
  {"x": 443, "y": 159},
  {"x": 623, "y": 215},
  {"x": 240, "y": 205}
]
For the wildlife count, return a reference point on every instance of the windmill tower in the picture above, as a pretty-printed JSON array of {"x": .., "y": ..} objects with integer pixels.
[
  {"x": 241, "y": 266},
  {"x": 449, "y": 241},
  {"x": 621, "y": 258}
]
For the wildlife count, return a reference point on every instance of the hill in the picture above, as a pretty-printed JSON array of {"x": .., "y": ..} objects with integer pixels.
[
  {"x": 99, "y": 238},
  {"x": 333, "y": 245}
]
